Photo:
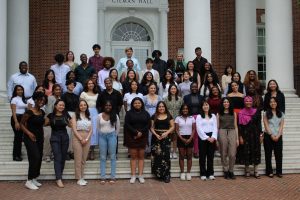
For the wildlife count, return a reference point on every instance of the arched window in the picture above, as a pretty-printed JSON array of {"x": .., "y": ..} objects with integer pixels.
[{"x": 130, "y": 32}]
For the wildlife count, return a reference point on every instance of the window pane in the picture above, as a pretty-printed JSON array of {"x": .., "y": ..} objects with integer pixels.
[{"x": 131, "y": 32}]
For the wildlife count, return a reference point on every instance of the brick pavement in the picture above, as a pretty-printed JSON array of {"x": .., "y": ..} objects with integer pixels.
[{"x": 286, "y": 188}]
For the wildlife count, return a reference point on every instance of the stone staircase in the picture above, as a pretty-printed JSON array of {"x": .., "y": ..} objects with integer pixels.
[{"x": 11, "y": 170}]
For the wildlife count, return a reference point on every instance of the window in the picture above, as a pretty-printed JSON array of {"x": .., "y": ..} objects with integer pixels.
[
  {"x": 261, "y": 52},
  {"x": 130, "y": 32}
]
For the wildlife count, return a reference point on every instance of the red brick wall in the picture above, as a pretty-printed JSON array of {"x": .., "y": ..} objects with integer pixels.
[
  {"x": 175, "y": 27},
  {"x": 296, "y": 38},
  {"x": 223, "y": 34},
  {"x": 48, "y": 33}
]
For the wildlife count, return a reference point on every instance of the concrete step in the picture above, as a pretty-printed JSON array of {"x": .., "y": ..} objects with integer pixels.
[{"x": 93, "y": 172}]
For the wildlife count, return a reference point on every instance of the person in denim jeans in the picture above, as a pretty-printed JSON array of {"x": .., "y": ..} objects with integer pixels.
[
  {"x": 108, "y": 126},
  {"x": 59, "y": 119}
]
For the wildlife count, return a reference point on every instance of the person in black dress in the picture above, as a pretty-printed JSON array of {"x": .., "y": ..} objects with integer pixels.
[
  {"x": 162, "y": 125},
  {"x": 32, "y": 125},
  {"x": 137, "y": 124},
  {"x": 250, "y": 137}
]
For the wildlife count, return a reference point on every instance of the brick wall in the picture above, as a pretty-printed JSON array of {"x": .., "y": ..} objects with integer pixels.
[
  {"x": 223, "y": 34},
  {"x": 48, "y": 33},
  {"x": 296, "y": 38},
  {"x": 175, "y": 27}
]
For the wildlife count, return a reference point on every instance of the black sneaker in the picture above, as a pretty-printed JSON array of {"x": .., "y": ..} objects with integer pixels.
[
  {"x": 17, "y": 158},
  {"x": 231, "y": 175},
  {"x": 167, "y": 179},
  {"x": 226, "y": 175}
]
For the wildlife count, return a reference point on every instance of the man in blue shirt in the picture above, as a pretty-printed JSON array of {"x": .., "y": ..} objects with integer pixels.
[{"x": 23, "y": 78}]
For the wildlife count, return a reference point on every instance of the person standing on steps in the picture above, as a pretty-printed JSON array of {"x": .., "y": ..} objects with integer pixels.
[
  {"x": 59, "y": 119},
  {"x": 18, "y": 105},
  {"x": 32, "y": 125},
  {"x": 82, "y": 132},
  {"x": 137, "y": 124}
]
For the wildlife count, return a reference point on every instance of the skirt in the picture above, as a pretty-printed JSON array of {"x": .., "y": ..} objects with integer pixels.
[
  {"x": 160, "y": 160},
  {"x": 94, "y": 115},
  {"x": 181, "y": 144}
]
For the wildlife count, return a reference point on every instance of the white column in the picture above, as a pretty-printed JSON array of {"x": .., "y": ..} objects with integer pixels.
[
  {"x": 197, "y": 28},
  {"x": 163, "y": 34},
  {"x": 101, "y": 31},
  {"x": 83, "y": 27},
  {"x": 3, "y": 35},
  {"x": 17, "y": 34},
  {"x": 279, "y": 43},
  {"x": 246, "y": 45}
]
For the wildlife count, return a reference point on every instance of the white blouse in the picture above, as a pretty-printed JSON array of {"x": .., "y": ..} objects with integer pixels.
[
  {"x": 20, "y": 105},
  {"x": 83, "y": 124},
  {"x": 204, "y": 126},
  {"x": 185, "y": 124},
  {"x": 91, "y": 100}
]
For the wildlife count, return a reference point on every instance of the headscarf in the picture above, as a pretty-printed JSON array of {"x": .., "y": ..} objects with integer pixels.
[{"x": 245, "y": 115}]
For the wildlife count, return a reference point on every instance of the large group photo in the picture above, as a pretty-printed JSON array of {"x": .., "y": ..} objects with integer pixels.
[{"x": 150, "y": 99}]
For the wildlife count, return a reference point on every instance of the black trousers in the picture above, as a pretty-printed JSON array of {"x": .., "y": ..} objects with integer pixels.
[
  {"x": 206, "y": 156},
  {"x": 59, "y": 143},
  {"x": 35, "y": 155},
  {"x": 271, "y": 146},
  {"x": 17, "y": 138}
]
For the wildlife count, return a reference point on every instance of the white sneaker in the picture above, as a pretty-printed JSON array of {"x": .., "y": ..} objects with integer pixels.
[
  {"x": 84, "y": 181},
  {"x": 36, "y": 183},
  {"x": 203, "y": 178},
  {"x": 171, "y": 155},
  {"x": 211, "y": 177},
  {"x": 141, "y": 180},
  {"x": 188, "y": 176},
  {"x": 182, "y": 176},
  {"x": 174, "y": 155},
  {"x": 132, "y": 179},
  {"x": 81, "y": 183},
  {"x": 30, "y": 185}
]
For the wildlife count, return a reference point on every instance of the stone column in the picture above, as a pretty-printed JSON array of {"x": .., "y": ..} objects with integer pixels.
[
  {"x": 163, "y": 34},
  {"x": 279, "y": 44},
  {"x": 17, "y": 34},
  {"x": 101, "y": 31},
  {"x": 3, "y": 36},
  {"x": 246, "y": 44},
  {"x": 197, "y": 28},
  {"x": 83, "y": 27}
]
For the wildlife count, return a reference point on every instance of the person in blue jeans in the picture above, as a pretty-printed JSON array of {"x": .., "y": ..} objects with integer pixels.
[
  {"x": 59, "y": 119},
  {"x": 108, "y": 126}
]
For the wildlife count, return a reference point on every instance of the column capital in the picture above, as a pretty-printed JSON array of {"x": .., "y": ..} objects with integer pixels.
[{"x": 163, "y": 10}]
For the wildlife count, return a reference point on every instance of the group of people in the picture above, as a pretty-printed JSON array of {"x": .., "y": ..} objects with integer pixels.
[{"x": 169, "y": 107}]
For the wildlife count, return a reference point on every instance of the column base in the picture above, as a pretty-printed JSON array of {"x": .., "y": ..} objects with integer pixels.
[{"x": 289, "y": 93}]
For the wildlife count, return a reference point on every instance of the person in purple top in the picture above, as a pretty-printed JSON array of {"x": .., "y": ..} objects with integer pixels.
[{"x": 96, "y": 60}]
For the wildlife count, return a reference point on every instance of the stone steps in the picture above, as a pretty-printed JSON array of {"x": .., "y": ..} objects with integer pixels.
[{"x": 11, "y": 170}]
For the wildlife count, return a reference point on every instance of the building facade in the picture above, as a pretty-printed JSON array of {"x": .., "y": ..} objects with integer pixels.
[{"x": 263, "y": 35}]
